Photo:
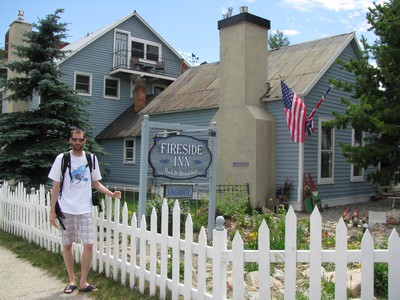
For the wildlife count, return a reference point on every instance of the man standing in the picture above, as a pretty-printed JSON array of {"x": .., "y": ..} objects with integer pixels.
[{"x": 75, "y": 201}]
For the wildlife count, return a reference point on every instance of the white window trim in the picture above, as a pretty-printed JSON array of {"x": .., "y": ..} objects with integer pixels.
[
  {"x": 134, "y": 151},
  {"x": 132, "y": 88},
  {"x": 158, "y": 85},
  {"x": 104, "y": 87},
  {"x": 352, "y": 177},
  {"x": 320, "y": 179},
  {"x": 146, "y": 42},
  {"x": 90, "y": 82}
]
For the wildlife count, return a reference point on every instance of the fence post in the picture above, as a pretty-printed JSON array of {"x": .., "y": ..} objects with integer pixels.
[{"x": 219, "y": 265}]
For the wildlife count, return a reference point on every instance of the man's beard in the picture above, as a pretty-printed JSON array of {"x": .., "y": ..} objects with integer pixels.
[{"x": 78, "y": 147}]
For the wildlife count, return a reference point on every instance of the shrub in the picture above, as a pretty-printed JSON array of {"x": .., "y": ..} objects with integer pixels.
[{"x": 157, "y": 203}]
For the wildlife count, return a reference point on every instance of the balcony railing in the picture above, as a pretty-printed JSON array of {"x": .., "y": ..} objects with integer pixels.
[{"x": 147, "y": 63}]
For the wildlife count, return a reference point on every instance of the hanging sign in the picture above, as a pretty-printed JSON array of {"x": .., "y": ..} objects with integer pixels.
[{"x": 180, "y": 157}]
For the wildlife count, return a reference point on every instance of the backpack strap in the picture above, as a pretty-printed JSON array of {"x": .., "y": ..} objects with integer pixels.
[
  {"x": 65, "y": 163},
  {"x": 91, "y": 162}
]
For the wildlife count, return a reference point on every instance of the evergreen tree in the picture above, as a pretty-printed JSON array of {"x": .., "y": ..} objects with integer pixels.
[
  {"x": 377, "y": 89},
  {"x": 30, "y": 140},
  {"x": 278, "y": 40}
]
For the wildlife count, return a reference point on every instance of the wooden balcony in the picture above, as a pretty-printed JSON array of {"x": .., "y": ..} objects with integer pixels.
[{"x": 154, "y": 67}]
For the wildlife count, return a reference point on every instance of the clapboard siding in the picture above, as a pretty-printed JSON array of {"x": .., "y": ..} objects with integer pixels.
[
  {"x": 97, "y": 59},
  {"x": 102, "y": 110},
  {"x": 342, "y": 187},
  {"x": 287, "y": 159}
]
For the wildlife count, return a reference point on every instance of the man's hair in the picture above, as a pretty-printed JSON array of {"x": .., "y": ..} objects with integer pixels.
[{"x": 78, "y": 131}]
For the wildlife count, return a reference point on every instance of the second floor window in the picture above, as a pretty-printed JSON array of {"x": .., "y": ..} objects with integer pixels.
[
  {"x": 83, "y": 84},
  {"x": 138, "y": 49},
  {"x": 111, "y": 88},
  {"x": 152, "y": 52}
]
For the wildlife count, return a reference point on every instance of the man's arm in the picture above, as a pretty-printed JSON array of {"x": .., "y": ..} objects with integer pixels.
[
  {"x": 53, "y": 200},
  {"x": 102, "y": 189}
]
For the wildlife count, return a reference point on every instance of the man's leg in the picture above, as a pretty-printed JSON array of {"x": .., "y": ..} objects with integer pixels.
[
  {"x": 85, "y": 264},
  {"x": 86, "y": 233},
  {"x": 69, "y": 263}
]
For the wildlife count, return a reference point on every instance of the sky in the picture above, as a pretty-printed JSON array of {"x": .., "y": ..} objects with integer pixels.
[{"x": 190, "y": 26}]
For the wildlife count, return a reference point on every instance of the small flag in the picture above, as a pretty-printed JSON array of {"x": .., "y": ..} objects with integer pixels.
[
  {"x": 295, "y": 111},
  {"x": 310, "y": 122}
]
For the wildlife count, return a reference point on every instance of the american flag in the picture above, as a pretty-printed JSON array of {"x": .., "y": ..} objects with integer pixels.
[
  {"x": 310, "y": 122},
  {"x": 295, "y": 111}
]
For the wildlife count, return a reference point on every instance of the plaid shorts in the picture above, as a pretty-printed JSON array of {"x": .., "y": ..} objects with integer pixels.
[{"x": 75, "y": 225}]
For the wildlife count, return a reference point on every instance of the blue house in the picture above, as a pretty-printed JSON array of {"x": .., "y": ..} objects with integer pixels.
[{"x": 246, "y": 101}]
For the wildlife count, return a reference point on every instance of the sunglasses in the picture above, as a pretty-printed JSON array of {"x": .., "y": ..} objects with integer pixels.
[{"x": 78, "y": 139}]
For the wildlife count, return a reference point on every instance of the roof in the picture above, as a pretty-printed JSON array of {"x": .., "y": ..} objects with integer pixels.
[
  {"x": 81, "y": 43},
  {"x": 196, "y": 88},
  {"x": 300, "y": 65},
  {"x": 129, "y": 123}
]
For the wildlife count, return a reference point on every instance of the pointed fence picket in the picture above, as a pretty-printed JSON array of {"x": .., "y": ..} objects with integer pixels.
[{"x": 178, "y": 266}]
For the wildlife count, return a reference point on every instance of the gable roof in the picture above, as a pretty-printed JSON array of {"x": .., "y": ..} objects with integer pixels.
[
  {"x": 81, "y": 43},
  {"x": 300, "y": 65},
  {"x": 197, "y": 88},
  {"x": 303, "y": 65}
]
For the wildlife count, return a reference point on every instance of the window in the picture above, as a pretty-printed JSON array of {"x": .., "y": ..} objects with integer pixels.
[
  {"x": 111, "y": 88},
  {"x": 152, "y": 52},
  {"x": 137, "y": 49},
  {"x": 146, "y": 50},
  {"x": 129, "y": 151},
  {"x": 83, "y": 83},
  {"x": 326, "y": 146},
  {"x": 158, "y": 88},
  {"x": 357, "y": 174}
]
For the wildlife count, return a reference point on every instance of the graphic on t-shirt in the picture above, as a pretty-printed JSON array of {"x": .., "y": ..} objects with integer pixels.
[{"x": 79, "y": 174}]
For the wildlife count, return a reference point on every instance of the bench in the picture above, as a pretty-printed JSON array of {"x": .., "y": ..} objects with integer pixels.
[{"x": 391, "y": 192}]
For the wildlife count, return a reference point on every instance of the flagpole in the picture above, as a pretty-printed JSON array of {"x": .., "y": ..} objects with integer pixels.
[{"x": 300, "y": 174}]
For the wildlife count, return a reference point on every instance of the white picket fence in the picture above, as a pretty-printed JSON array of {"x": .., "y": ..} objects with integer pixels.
[{"x": 142, "y": 258}]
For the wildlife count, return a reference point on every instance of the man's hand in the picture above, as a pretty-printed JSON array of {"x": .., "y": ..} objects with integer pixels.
[
  {"x": 53, "y": 217},
  {"x": 117, "y": 194}
]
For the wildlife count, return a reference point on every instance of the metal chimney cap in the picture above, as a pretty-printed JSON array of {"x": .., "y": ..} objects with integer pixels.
[
  {"x": 243, "y": 9},
  {"x": 21, "y": 15}
]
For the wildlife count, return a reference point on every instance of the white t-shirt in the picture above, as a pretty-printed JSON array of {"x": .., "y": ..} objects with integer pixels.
[{"x": 76, "y": 196}]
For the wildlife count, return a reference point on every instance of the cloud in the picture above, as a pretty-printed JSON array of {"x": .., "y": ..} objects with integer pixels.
[
  {"x": 290, "y": 32},
  {"x": 337, "y": 5}
]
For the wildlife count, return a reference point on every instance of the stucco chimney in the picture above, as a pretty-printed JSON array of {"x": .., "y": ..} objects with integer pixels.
[
  {"x": 15, "y": 37},
  {"x": 140, "y": 94},
  {"x": 246, "y": 131}
]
